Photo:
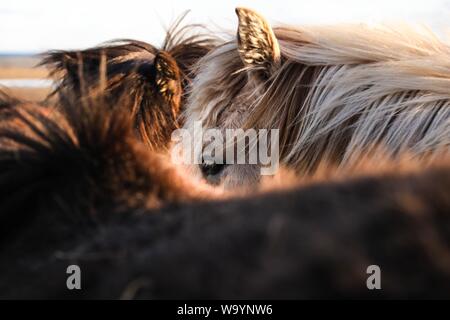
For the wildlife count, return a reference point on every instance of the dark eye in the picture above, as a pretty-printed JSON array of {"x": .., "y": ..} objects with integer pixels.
[{"x": 212, "y": 169}]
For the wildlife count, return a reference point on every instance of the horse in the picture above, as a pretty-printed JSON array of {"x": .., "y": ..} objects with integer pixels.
[
  {"x": 78, "y": 187},
  {"x": 316, "y": 241},
  {"x": 154, "y": 77},
  {"x": 59, "y": 164},
  {"x": 335, "y": 93}
]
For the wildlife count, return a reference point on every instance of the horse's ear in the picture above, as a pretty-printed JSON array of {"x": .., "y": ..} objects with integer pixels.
[
  {"x": 168, "y": 80},
  {"x": 257, "y": 43}
]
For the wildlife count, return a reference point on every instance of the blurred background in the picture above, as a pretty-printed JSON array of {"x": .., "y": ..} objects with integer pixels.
[{"x": 28, "y": 27}]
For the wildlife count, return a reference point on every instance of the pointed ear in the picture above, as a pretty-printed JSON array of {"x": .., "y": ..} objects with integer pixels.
[
  {"x": 168, "y": 80},
  {"x": 257, "y": 43}
]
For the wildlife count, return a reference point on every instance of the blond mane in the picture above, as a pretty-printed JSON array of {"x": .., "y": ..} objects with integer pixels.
[{"x": 339, "y": 92}]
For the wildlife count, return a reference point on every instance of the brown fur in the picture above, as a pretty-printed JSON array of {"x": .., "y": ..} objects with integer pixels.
[
  {"x": 79, "y": 158},
  {"x": 86, "y": 191},
  {"x": 154, "y": 78}
]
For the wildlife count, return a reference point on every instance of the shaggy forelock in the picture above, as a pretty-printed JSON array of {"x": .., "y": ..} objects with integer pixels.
[{"x": 216, "y": 85}]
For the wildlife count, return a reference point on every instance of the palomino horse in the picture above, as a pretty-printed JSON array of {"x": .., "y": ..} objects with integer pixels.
[
  {"x": 334, "y": 92},
  {"x": 154, "y": 78}
]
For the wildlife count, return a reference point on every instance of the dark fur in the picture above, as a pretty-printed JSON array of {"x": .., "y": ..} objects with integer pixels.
[
  {"x": 66, "y": 163},
  {"x": 79, "y": 188},
  {"x": 131, "y": 67},
  {"x": 314, "y": 242}
]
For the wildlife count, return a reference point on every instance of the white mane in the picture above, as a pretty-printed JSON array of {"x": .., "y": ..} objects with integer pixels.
[{"x": 395, "y": 81}]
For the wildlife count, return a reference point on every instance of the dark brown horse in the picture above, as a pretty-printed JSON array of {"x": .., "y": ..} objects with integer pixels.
[
  {"x": 78, "y": 187},
  {"x": 65, "y": 162}
]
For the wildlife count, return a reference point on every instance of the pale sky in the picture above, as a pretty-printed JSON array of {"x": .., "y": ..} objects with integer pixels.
[{"x": 38, "y": 25}]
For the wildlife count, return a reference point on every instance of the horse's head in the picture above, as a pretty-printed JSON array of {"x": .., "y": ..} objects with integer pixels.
[
  {"x": 154, "y": 78},
  {"x": 334, "y": 93},
  {"x": 230, "y": 82}
]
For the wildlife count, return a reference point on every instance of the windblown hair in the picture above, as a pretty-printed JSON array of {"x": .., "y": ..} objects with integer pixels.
[
  {"x": 335, "y": 92},
  {"x": 154, "y": 78}
]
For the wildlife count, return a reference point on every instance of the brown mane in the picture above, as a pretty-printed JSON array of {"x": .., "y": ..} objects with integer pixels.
[{"x": 156, "y": 94}]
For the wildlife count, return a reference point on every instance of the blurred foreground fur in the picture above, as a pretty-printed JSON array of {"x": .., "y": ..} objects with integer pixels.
[
  {"x": 154, "y": 78},
  {"x": 83, "y": 190},
  {"x": 313, "y": 242},
  {"x": 71, "y": 161}
]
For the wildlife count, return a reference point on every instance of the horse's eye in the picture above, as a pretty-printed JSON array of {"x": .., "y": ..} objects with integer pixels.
[{"x": 212, "y": 169}]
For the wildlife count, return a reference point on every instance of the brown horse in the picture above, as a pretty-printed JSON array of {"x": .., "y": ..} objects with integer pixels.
[
  {"x": 67, "y": 161},
  {"x": 154, "y": 78},
  {"x": 78, "y": 187}
]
